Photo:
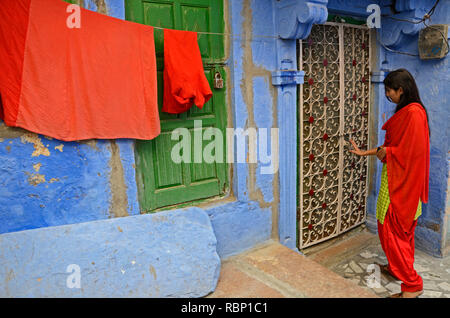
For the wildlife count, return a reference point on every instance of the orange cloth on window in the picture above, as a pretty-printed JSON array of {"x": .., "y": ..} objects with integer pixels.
[
  {"x": 185, "y": 83},
  {"x": 407, "y": 147},
  {"x": 96, "y": 81}
]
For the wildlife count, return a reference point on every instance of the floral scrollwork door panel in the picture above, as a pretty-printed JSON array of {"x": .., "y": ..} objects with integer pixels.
[{"x": 333, "y": 108}]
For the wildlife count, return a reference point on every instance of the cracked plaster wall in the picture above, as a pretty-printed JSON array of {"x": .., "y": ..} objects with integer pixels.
[{"x": 47, "y": 182}]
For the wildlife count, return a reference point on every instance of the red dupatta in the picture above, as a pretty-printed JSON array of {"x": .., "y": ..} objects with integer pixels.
[
  {"x": 96, "y": 81},
  {"x": 407, "y": 147}
]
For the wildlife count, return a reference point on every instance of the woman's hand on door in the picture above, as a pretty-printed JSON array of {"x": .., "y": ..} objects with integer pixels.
[{"x": 356, "y": 150}]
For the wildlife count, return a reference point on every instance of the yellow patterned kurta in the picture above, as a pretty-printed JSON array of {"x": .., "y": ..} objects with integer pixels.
[{"x": 383, "y": 198}]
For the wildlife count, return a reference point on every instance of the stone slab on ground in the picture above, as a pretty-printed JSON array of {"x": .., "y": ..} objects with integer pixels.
[
  {"x": 149, "y": 255},
  {"x": 235, "y": 282},
  {"x": 281, "y": 269}
]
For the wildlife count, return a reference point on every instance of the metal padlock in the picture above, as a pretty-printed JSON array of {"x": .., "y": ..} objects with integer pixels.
[{"x": 218, "y": 80}]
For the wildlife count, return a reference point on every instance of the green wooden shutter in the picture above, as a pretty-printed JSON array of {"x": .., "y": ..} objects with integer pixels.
[{"x": 161, "y": 182}]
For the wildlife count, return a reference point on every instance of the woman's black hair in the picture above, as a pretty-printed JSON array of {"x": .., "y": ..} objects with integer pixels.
[{"x": 402, "y": 78}]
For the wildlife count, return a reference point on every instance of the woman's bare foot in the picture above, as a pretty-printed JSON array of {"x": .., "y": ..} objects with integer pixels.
[
  {"x": 416, "y": 294},
  {"x": 406, "y": 294}
]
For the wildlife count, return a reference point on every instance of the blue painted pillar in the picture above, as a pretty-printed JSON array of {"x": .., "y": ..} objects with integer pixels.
[
  {"x": 286, "y": 80},
  {"x": 294, "y": 20}
]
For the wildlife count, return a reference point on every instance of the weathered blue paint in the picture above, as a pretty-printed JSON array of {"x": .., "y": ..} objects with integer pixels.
[
  {"x": 115, "y": 8},
  {"x": 264, "y": 78},
  {"x": 77, "y": 175},
  {"x": 263, "y": 115},
  {"x": 285, "y": 77},
  {"x": 243, "y": 224},
  {"x": 295, "y": 18},
  {"x": 263, "y": 61},
  {"x": 126, "y": 149},
  {"x": 239, "y": 226},
  {"x": 67, "y": 183},
  {"x": 447, "y": 216},
  {"x": 238, "y": 105},
  {"x": 287, "y": 122},
  {"x": 136, "y": 256},
  {"x": 85, "y": 171},
  {"x": 264, "y": 53}
]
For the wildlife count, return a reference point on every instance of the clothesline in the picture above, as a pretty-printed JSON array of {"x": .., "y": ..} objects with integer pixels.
[{"x": 225, "y": 34}]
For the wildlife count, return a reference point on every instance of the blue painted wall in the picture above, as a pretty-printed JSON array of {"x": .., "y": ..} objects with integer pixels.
[
  {"x": 46, "y": 182},
  {"x": 63, "y": 185},
  {"x": 248, "y": 220}
]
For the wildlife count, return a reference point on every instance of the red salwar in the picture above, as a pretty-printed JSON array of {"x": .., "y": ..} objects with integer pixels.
[
  {"x": 399, "y": 249},
  {"x": 407, "y": 158}
]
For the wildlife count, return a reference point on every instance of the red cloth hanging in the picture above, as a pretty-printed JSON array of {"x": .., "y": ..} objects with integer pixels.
[
  {"x": 407, "y": 147},
  {"x": 96, "y": 81},
  {"x": 185, "y": 83}
]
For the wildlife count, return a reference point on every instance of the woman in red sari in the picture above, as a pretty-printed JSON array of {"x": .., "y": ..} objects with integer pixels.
[{"x": 404, "y": 185}]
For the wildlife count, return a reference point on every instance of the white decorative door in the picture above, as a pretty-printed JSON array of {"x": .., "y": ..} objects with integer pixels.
[{"x": 333, "y": 108}]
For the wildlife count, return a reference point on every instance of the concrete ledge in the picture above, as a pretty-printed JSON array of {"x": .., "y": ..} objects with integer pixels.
[{"x": 137, "y": 256}]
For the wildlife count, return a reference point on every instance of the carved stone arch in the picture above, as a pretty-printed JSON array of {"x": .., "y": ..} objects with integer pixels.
[{"x": 296, "y": 17}]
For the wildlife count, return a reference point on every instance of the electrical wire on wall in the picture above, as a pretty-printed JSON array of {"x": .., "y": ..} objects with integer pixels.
[
  {"x": 337, "y": 18},
  {"x": 228, "y": 34},
  {"x": 426, "y": 17}
]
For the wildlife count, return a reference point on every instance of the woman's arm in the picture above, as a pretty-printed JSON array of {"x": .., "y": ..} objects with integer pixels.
[{"x": 380, "y": 154}]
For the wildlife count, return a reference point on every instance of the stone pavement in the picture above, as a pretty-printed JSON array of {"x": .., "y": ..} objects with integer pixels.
[
  {"x": 274, "y": 271},
  {"x": 353, "y": 258},
  {"x": 339, "y": 268}
]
